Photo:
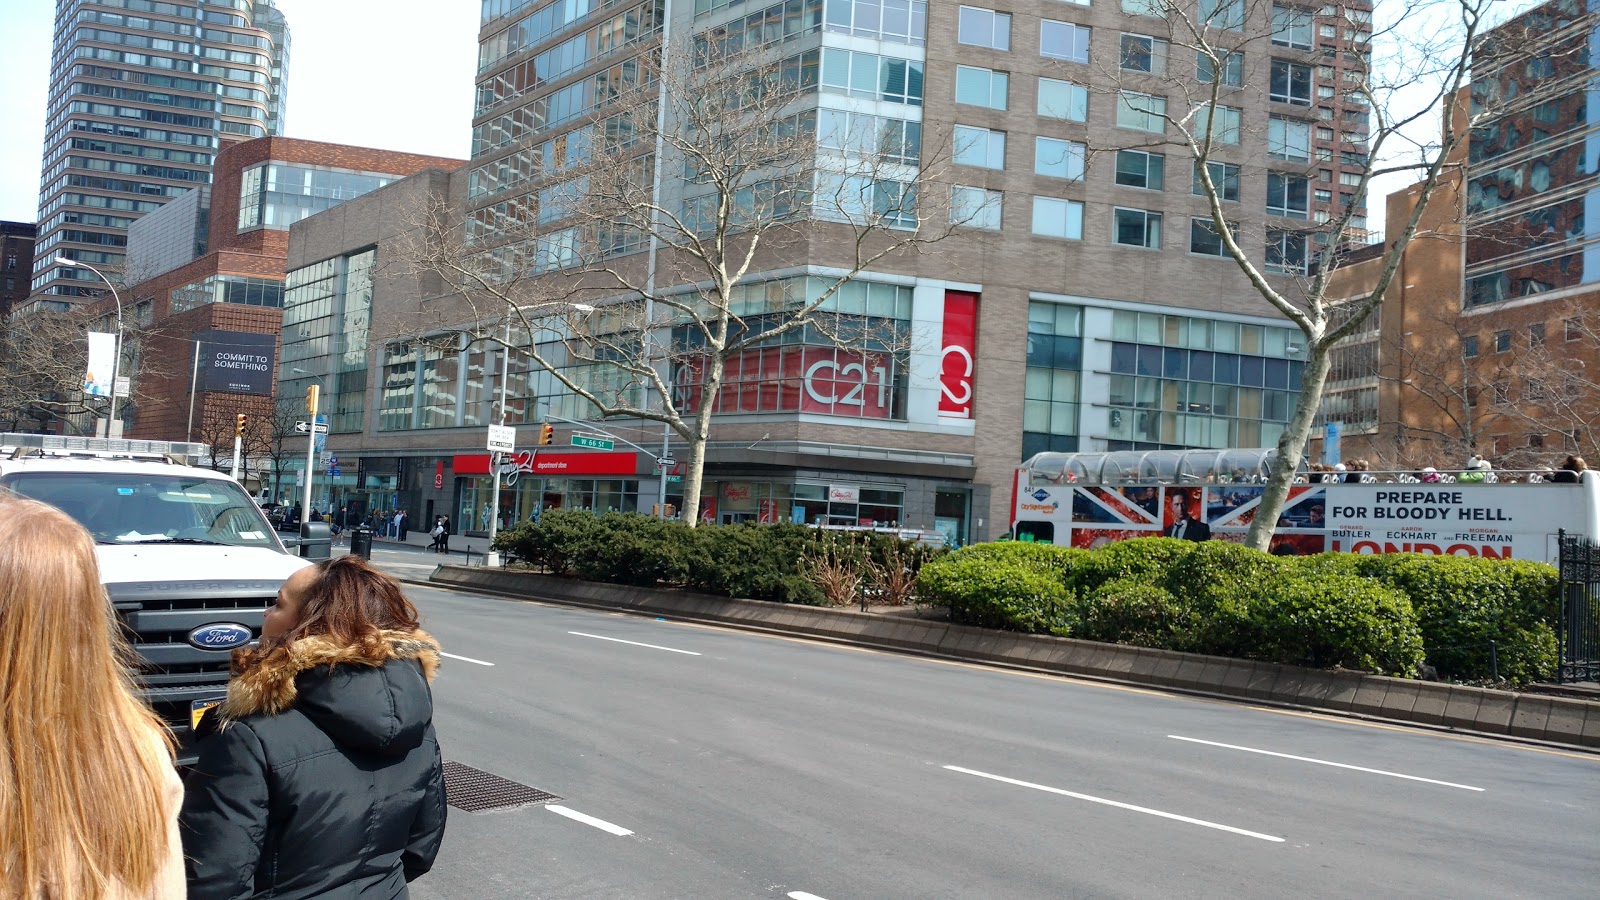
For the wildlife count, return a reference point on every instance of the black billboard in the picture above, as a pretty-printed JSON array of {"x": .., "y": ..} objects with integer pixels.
[{"x": 238, "y": 362}]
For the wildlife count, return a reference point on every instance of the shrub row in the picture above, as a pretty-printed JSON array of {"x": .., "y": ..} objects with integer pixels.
[
  {"x": 1391, "y": 613},
  {"x": 755, "y": 562}
]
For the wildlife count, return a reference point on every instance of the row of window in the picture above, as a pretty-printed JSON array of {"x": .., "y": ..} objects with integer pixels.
[{"x": 1572, "y": 329}]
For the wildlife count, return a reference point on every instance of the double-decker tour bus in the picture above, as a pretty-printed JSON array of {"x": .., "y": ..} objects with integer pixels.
[{"x": 1090, "y": 499}]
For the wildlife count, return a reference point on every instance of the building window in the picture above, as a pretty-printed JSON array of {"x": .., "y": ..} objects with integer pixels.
[
  {"x": 869, "y": 76},
  {"x": 1228, "y": 14},
  {"x": 1232, "y": 68},
  {"x": 1288, "y": 139},
  {"x": 1054, "y": 217},
  {"x": 1137, "y": 168},
  {"x": 1057, "y": 158},
  {"x": 1204, "y": 238},
  {"x": 1322, "y": 196},
  {"x": 276, "y": 195},
  {"x": 1288, "y": 195},
  {"x": 975, "y": 207},
  {"x": 1136, "y": 228},
  {"x": 1536, "y": 335},
  {"x": 985, "y": 28},
  {"x": 981, "y": 87},
  {"x": 1224, "y": 177},
  {"x": 1535, "y": 442},
  {"x": 1050, "y": 389},
  {"x": 1350, "y": 179},
  {"x": 980, "y": 147},
  {"x": 1136, "y": 7},
  {"x": 1502, "y": 392},
  {"x": 1502, "y": 341},
  {"x": 1142, "y": 112},
  {"x": 1469, "y": 346},
  {"x": 1292, "y": 27},
  {"x": 1142, "y": 53},
  {"x": 1063, "y": 40},
  {"x": 1286, "y": 252},
  {"x": 1063, "y": 100},
  {"x": 1290, "y": 83},
  {"x": 901, "y": 23},
  {"x": 1226, "y": 127},
  {"x": 1572, "y": 329}
]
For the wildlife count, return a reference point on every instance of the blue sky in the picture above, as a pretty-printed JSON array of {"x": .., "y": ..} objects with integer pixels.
[{"x": 391, "y": 74}]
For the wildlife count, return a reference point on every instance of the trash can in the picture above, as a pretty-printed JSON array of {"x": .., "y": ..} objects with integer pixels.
[
  {"x": 361, "y": 541},
  {"x": 316, "y": 541}
]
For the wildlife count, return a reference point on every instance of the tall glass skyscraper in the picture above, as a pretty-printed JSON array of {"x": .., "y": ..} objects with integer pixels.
[{"x": 143, "y": 93}]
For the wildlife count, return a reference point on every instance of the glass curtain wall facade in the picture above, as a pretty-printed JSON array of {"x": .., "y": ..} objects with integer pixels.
[
  {"x": 327, "y": 317},
  {"x": 276, "y": 195},
  {"x": 142, "y": 96}
]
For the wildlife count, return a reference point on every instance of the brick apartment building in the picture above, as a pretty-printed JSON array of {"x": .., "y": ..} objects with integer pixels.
[
  {"x": 1489, "y": 337},
  {"x": 16, "y": 262},
  {"x": 214, "y": 261},
  {"x": 1099, "y": 310}
]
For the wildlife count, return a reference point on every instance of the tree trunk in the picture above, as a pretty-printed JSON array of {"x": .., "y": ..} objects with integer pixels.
[
  {"x": 1290, "y": 446},
  {"x": 694, "y": 469}
]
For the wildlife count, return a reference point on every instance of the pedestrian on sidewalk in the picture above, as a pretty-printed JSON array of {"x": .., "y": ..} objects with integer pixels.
[
  {"x": 437, "y": 533},
  {"x": 405, "y": 525},
  {"x": 444, "y": 537},
  {"x": 89, "y": 800},
  {"x": 320, "y": 774}
]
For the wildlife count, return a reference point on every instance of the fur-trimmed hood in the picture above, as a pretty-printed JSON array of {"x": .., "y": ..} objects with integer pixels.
[{"x": 370, "y": 696}]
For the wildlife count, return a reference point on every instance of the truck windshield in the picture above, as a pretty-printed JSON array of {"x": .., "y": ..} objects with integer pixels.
[{"x": 139, "y": 508}]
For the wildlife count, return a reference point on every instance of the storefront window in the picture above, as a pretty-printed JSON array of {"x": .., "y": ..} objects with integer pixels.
[{"x": 529, "y": 496}]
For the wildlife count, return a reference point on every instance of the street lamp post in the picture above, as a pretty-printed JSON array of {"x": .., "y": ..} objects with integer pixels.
[
  {"x": 113, "y": 423},
  {"x": 312, "y": 401}
]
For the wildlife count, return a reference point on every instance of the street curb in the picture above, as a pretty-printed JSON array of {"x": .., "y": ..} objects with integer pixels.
[{"x": 1557, "y": 720}]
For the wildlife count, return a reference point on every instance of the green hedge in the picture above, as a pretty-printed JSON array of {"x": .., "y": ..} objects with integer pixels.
[
  {"x": 754, "y": 562},
  {"x": 1391, "y": 614}
]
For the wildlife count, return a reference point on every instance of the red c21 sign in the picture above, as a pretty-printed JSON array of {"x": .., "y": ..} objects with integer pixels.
[
  {"x": 959, "y": 350},
  {"x": 823, "y": 380}
]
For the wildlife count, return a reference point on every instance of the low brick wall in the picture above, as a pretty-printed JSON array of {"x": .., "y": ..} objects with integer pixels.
[{"x": 1533, "y": 716}]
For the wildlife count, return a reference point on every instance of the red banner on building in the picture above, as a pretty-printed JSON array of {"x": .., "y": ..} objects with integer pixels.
[
  {"x": 960, "y": 348},
  {"x": 821, "y": 380}
]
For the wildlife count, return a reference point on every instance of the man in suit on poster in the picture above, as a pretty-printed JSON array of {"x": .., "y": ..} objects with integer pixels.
[{"x": 1184, "y": 525}]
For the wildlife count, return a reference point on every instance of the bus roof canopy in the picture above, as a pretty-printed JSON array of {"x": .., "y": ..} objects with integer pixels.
[{"x": 1165, "y": 466}]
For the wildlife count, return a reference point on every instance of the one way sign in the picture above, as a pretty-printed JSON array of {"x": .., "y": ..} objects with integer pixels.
[{"x": 305, "y": 427}]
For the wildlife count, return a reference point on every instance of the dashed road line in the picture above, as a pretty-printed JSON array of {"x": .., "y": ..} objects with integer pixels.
[
  {"x": 601, "y": 637},
  {"x": 1119, "y": 805},
  {"x": 601, "y": 824},
  {"x": 1324, "y": 762},
  {"x": 465, "y": 659}
]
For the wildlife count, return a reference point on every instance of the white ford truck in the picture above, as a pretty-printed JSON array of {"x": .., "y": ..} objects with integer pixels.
[{"x": 188, "y": 559}]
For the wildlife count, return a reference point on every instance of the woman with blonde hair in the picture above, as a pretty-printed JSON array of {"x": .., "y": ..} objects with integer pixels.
[{"x": 89, "y": 798}]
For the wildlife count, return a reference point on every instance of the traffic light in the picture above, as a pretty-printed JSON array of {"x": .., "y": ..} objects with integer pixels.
[
  {"x": 238, "y": 428},
  {"x": 547, "y": 435},
  {"x": 312, "y": 393}
]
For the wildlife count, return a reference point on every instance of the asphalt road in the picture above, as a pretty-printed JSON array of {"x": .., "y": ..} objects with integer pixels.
[{"x": 743, "y": 765}]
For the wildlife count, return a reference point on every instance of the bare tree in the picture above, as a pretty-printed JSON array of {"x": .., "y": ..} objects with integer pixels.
[
  {"x": 43, "y": 359},
  {"x": 1427, "y": 50},
  {"x": 707, "y": 168},
  {"x": 278, "y": 442},
  {"x": 1547, "y": 384}
]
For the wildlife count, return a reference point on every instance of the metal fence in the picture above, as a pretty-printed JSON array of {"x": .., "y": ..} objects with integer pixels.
[{"x": 1578, "y": 625}]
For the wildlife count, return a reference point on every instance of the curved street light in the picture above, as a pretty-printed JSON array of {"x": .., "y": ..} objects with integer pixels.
[{"x": 113, "y": 422}]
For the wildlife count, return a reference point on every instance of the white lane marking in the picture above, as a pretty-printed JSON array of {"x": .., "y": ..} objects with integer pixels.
[
  {"x": 1324, "y": 762},
  {"x": 1119, "y": 805},
  {"x": 601, "y": 637},
  {"x": 601, "y": 824},
  {"x": 802, "y": 895},
  {"x": 465, "y": 658}
]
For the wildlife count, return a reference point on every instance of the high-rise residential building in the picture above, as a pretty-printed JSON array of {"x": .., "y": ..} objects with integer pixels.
[
  {"x": 143, "y": 95},
  {"x": 1083, "y": 302}
]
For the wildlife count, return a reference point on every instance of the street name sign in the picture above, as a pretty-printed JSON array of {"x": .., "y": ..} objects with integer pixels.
[{"x": 593, "y": 443}]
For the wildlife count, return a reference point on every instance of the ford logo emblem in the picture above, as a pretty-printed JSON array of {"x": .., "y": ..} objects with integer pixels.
[{"x": 220, "y": 636}]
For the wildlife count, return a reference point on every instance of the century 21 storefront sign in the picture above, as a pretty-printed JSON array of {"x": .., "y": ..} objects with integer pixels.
[{"x": 840, "y": 381}]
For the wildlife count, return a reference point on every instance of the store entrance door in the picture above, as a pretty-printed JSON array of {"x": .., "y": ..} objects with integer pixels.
[{"x": 952, "y": 512}]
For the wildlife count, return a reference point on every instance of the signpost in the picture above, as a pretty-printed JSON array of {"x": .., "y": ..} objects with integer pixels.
[
  {"x": 594, "y": 443},
  {"x": 305, "y": 427},
  {"x": 503, "y": 439}
]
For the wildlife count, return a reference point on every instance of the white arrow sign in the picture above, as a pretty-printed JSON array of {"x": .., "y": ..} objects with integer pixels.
[{"x": 305, "y": 427}]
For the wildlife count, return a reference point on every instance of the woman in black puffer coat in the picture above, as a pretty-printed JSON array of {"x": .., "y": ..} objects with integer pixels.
[{"x": 320, "y": 775}]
